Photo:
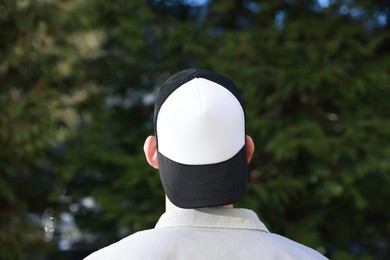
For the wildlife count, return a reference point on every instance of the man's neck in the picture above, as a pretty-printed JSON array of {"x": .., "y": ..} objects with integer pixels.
[{"x": 169, "y": 205}]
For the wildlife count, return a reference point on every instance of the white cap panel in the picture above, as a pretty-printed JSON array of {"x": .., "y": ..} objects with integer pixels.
[{"x": 200, "y": 123}]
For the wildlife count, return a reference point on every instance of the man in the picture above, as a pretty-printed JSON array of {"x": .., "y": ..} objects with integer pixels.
[{"x": 202, "y": 153}]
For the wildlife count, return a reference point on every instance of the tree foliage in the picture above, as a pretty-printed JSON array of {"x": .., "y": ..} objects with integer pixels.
[
  {"x": 36, "y": 75},
  {"x": 78, "y": 79}
]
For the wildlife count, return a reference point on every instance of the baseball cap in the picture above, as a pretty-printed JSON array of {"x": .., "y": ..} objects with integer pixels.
[{"x": 199, "y": 123}]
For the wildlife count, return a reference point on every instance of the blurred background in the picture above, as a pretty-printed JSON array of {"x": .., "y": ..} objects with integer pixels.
[{"x": 78, "y": 80}]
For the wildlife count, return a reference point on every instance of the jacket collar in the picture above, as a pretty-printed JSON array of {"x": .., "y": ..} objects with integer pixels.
[{"x": 215, "y": 217}]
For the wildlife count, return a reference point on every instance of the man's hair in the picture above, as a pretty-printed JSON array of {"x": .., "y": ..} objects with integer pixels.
[{"x": 199, "y": 123}]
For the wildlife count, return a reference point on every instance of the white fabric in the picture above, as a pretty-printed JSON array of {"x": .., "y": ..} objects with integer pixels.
[
  {"x": 208, "y": 233},
  {"x": 200, "y": 123}
]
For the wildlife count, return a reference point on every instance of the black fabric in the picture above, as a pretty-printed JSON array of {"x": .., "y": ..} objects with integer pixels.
[{"x": 195, "y": 186}]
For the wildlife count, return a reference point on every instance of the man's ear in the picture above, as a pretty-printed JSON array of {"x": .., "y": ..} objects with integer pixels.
[
  {"x": 150, "y": 150},
  {"x": 250, "y": 147}
]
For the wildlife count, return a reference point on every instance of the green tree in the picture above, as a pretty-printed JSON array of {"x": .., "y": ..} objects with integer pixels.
[
  {"x": 77, "y": 83},
  {"x": 315, "y": 82},
  {"x": 38, "y": 47}
]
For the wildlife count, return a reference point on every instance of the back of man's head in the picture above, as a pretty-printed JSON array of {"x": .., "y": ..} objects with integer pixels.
[{"x": 199, "y": 124}]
